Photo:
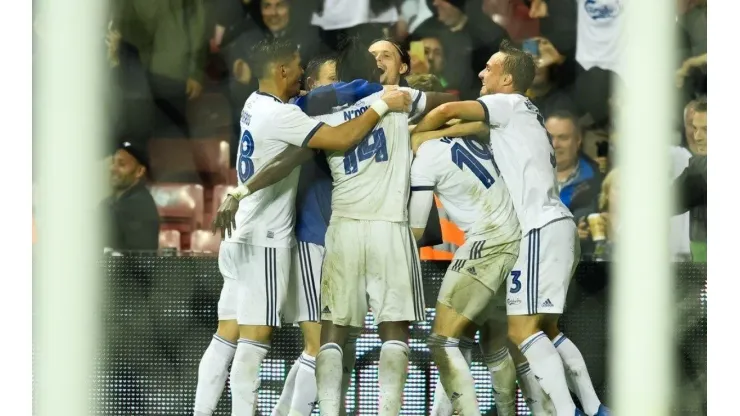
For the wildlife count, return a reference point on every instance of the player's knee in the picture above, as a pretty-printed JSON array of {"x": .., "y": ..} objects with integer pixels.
[
  {"x": 311, "y": 337},
  {"x": 522, "y": 327},
  {"x": 228, "y": 330},
  {"x": 437, "y": 344},
  {"x": 549, "y": 325},
  {"x": 394, "y": 331},
  {"x": 257, "y": 333}
]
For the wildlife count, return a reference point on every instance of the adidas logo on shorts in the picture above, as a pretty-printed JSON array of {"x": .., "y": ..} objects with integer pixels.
[
  {"x": 326, "y": 310},
  {"x": 547, "y": 304}
]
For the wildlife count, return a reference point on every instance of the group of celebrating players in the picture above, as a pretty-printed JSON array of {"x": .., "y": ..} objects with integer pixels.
[{"x": 369, "y": 156}]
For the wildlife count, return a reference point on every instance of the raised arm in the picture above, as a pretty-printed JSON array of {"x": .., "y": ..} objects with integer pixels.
[{"x": 464, "y": 110}]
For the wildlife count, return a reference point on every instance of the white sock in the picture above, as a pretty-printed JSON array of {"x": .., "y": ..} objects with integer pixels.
[
  {"x": 329, "y": 378},
  {"x": 454, "y": 372},
  {"x": 283, "y": 405},
  {"x": 392, "y": 370},
  {"x": 503, "y": 380},
  {"x": 441, "y": 405},
  {"x": 245, "y": 376},
  {"x": 545, "y": 363},
  {"x": 349, "y": 357},
  {"x": 577, "y": 374},
  {"x": 212, "y": 374},
  {"x": 536, "y": 399},
  {"x": 305, "y": 391}
]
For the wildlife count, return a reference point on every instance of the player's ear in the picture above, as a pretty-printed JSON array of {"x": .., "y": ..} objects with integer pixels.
[
  {"x": 309, "y": 83},
  {"x": 404, "y": 69},
  {"x": 508, "y": 79}
]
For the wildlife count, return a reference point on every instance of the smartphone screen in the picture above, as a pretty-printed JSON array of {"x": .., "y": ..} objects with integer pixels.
[
  {"x": 417, "y": 49},
  {"x": 531, "y": 46}
]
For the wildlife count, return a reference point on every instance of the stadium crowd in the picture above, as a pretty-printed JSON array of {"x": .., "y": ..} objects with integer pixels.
[{"x": 180, "y": 73}]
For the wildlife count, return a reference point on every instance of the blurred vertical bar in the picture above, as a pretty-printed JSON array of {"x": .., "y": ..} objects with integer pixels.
[
  {"x": 68, "y": 122},
  {"x": 642, "y": 291}
]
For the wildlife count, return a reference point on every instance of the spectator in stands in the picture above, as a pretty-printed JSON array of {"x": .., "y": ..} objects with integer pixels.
[
  {"x": 130, "y": 211},
  {"x": 688, "y": 127},
  {"x": 546, "y": 91},
  {"x": 603, "y": 224},
  {"x": 691, "y": 186},
  {"x": 692, "y": 23},
  {"x": 170, "y": 39},
  {"x": 579, "y": 180},
  {"x": 366, "y": 19},
  {"x": 274, "y": 20},
  {"x": 130, "y": 102},
  {"x": 593, "y": 98},
  {"x": 599, "y": 24},
  {"x": 435, "y": 54},
  {"x": 468, "y": 37},
  {"x": 232, "y": 18}
]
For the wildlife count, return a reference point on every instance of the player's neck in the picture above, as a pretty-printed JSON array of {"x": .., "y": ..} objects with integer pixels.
[{"x": 268, "y": 87}]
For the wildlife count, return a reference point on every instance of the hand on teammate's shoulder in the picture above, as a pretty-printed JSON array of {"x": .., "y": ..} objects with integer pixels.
[{"x": 397, "y": 100}]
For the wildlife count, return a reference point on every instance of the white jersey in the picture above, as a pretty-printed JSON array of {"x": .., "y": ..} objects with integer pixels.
[
  {"x": 465, "y": 178},
  {"x": 371, "y": 180},
  {"x": 523, "y": 151},
  {"x": 600, "y": 27},
  {"x": 266, "y": 217}
]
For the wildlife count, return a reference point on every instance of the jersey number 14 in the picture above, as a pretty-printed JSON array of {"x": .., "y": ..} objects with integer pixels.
[{"x": 366, "y": 150}]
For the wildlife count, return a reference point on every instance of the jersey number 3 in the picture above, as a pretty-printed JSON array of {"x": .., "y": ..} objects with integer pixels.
[
  {"x": 245, "y": 166},
  {"x": 366, "y": 150},
  {"x": 468, "y": 155}
]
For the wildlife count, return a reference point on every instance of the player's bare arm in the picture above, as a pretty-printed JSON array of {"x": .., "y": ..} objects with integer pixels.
[
  {"x": 478, "y": 129},
  {"x": 464, "y": 110},
  {"x": 346, "y": 135},
  {"x": 435, "y": 99},
  {"x": 279, "y": 167},
  {"x": 273, "y": 172}
]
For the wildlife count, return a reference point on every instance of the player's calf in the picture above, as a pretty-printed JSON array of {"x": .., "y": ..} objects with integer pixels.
[
  {"x": 576, "y": 371},
  {"x": 543, "y": 359},
  {"x": 214, "y": 367},
  {"x": 441, "y": 405},
  {"x": 329, "y": 367},
  {"x": 393, "y": 365},
  {"x": 494, "y": 345},
  {"x": 454, "y": 373}
]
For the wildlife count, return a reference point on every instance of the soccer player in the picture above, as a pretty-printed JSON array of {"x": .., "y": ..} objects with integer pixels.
[
  {"x": 464, "y": 176},
  {"x": 313, "y": 209},
  {"x": 392, "y": 59},
  {"x": 255, "y": 258},
  {"x": 524, "y": 152},
  {"x": 371, "y": 257}
]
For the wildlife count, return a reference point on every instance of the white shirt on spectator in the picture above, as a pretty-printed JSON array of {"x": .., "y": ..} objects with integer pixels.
[
  {"x": 343, "y": 14},
  {"x": 599, "y": 43}
]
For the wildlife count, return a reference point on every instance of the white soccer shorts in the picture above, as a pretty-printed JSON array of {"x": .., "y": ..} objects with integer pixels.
[
  {"x": 548, "y": 257},
  {"x": 255, "y": 283},
  {"x": 371, "y": 263},
  {"x": 304, "y": 288}
]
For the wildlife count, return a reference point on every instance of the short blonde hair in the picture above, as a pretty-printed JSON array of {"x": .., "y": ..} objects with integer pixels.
[{"x": 606, "y": 186}]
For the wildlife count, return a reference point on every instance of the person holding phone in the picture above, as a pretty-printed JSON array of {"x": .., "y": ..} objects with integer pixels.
[{"x": 547, "y": 91}]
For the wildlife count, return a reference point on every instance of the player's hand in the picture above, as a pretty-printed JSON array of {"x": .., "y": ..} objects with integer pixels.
[
  {"x": 226, "y": 217},
  {"x": 399, "y": 100}
]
